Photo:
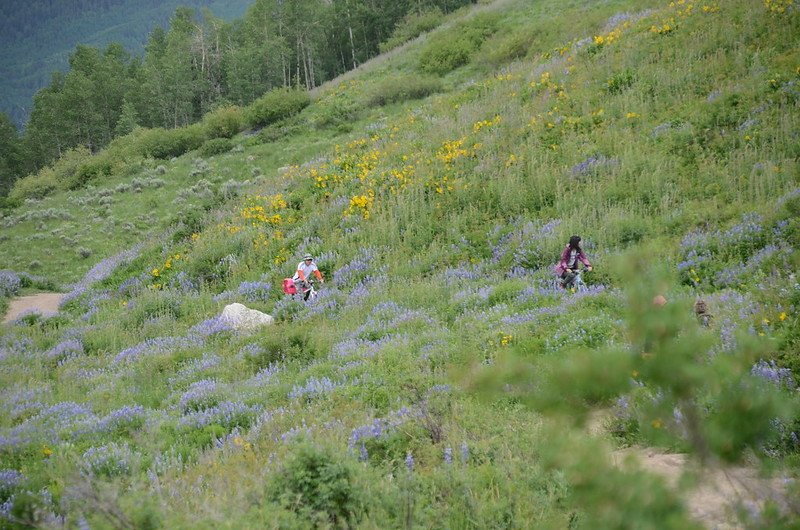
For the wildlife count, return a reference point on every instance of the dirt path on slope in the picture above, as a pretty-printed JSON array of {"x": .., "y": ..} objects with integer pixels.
[
  {"x": 717, "y": 493},
  {"x": 44, "y": 303}
]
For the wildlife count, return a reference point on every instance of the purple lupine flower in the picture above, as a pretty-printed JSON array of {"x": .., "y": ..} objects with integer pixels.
[
  {"x": 660, "y": 129},
  {"x": 363, "y": 347},
  {"x": 366, "y": 261},
  {"x": 228, "y": 414},
  {"x": 9, "y": 480},
  {"x": 314, "y": 387},
  {"x": 210, "y": 327},
  {"x": 409, "y": 461},
  {"x": 251, "y": 350},
  {"x": 66, "y": 349},
  {"x": 9, "y": 283},
  {"x": 183, "y": 283},
  {"x": 533, "y": 315},
  {"x": 378, "y": 428},
  {"x": 131, "y": 286},
  {"x": 200, "y": 395},
  {"x": 109, "y": 460},
  {"x": 462, "y": 272},
  {"x": 124, "y": 418},
  {"x": 255, "y": 291},
  {"x": 768, "y": 370},
  {"x": 592, "y": 165},
  {"x": 157, "y": 346},
  {"x": 481, "y": 293},
  {"x": 448, "y": 455},
  {"x": 101, "y": 271},
  {"x": 464, "y": 452},
  {"x": 266, "y": 375},
  {"x": 622, "y": 408},
  {"x": 295, "y": 432}
]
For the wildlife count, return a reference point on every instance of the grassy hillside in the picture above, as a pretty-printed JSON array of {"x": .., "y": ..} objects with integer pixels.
[{"x": 440, "y": 379}]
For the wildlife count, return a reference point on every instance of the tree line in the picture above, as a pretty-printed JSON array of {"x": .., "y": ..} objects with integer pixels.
[{"x": 197, "y": 64}]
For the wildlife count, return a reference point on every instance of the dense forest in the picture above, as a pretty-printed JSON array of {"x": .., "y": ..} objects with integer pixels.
[
  {"x": 200, "y": 63},
  {"x": 38, "y": 36}
]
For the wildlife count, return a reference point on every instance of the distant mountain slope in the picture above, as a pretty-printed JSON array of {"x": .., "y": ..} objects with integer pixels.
[{"x": 38, "y": 36}]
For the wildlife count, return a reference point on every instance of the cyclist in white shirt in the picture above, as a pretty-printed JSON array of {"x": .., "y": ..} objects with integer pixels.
[{"x": 305, "y": 269}]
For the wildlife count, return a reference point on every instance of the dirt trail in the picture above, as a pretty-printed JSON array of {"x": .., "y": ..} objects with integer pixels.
[
  {"x": 716, "y": 494},
  {"x": 45, "y": 303}
]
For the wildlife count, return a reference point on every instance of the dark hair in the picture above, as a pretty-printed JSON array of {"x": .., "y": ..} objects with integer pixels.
[{"x": 575, "y": 242}]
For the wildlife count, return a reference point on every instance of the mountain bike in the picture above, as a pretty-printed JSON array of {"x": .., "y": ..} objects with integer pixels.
[
  {"x": 308, "y": 294},
  {"x": 574, "y": 282}
]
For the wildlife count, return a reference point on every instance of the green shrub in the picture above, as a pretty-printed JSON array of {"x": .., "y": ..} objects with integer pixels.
[
  {"x": 317, "y": 485},
  {"x": 95, "y": 167},
  {"x": 215, "y": 146},
  {"x": 455, "y": 48},
  {"x": 335, "y": 113},
  {"x": 509, "y": 46},
  {"x": 35, "y": 186},
  {"x": 154, "y": 304},
  {"x": 223, "y": 122},
  {"x": 213, "y": 259},
  {"x": 166, "y": 143},
  {"x": 403, "y": 88},
  {"x": 619, "y": 82},
  {"x": 413, "y": 25},
  {"x": 276, "y": 105}
]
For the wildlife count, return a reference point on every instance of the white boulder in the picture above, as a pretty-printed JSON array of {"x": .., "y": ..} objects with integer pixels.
[{"x": 239, "y": 317}]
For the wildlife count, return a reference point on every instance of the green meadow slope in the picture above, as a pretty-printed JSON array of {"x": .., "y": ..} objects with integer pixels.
[{"x": 440, "y": 379}]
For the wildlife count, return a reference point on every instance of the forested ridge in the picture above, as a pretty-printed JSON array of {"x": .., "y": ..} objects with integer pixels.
[
  {"x": 201, "y": 62},
  {"x": 38, "y": 37}
]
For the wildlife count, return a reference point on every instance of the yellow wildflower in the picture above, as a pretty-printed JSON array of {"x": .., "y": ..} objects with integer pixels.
[{"x": 782, "y": 316}]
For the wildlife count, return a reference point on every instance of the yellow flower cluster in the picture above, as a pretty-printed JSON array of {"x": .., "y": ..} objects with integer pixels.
[
  {"x": 156, "y": 272},
  {"x": 281, "y": 257},
  {"x": 663, "y": 29},
  {"x": 778, "y": 6},
  {"x": 505, "y": 340},
  {"x": 451, "y": 151},
  {"x": 401, "y": 178},
  {"x": 262, "y": 241},
  {"x": 611, "y": 36},
  {"x": 485, "y": 123},
  {"x": 361, "y": 204},
  {"x": 262, "y": 210}
]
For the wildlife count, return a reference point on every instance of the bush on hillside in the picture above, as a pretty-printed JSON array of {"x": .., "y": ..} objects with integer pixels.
[
  {"x": 60, "y": 175},
  {"x": 276, "y": 105},
  {"x": 403, "y": 88},
  {"x": 413, "y": 25},
  {"x": 215, "y": 146},
  {"x": 166, "y": 143},
  {"x": 506, "y": 47},
  {"x": 318, "y": 486},
  {"x": 36, "y": 186},
  {"x": 99, "y": 165},
  {"x": 223, "y": 122},
  {"x": 455, "y": 48}
]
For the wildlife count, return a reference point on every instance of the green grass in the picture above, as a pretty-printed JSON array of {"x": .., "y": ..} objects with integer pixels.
[{"x": 436, "y": 222}]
